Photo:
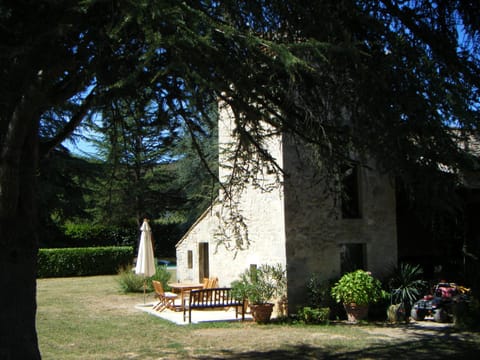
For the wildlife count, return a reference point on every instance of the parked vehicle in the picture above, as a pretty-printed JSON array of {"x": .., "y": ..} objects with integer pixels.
[{"x": 440, "y": 304}]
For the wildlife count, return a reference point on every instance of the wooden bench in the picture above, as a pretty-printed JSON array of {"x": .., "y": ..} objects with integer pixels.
[{"x": 210, "y": 299}]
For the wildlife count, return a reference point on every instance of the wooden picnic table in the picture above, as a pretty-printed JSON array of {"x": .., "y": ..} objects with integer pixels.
[{"x": 184, "y": 289}]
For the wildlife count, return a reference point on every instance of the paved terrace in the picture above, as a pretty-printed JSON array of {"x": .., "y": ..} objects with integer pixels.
[{"x": 198, "y": 316}]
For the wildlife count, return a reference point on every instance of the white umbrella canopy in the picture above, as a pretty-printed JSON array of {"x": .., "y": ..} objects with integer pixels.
[{"x": 145, "y": 259}]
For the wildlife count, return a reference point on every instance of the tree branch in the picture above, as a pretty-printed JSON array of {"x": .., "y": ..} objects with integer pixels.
[{"x": 69, "y": 128}]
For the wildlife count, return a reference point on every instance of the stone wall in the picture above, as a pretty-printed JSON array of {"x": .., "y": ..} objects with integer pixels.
[{"x": 316, "y": 231}]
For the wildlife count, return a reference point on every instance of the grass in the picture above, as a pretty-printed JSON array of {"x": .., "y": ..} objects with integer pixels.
[{"x": 89, "y": 318}]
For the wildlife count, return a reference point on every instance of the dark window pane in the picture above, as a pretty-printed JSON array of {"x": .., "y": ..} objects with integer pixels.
[
  {"x": 190, "y": 259},
  {"x": 350, "y": 194},
  {"x": 352, "y": 257},
  {"x": 204, "y": 267}
]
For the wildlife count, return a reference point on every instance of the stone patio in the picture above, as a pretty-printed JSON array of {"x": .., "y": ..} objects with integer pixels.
[{"x": 198, "y": 316}]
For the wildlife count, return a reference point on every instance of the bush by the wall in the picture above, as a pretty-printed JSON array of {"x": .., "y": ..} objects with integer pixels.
[
  {"x": 318, "y": 296},
  {"x": 310, "y": 315},
  {"x": 83, "y": 261}
]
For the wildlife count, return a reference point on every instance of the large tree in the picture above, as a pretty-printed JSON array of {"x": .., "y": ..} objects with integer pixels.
[
  {"x": 134, "y": 145},
  {"x": 387, "y": 78}
]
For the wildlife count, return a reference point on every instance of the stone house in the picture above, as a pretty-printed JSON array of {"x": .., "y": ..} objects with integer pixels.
[{"x": 291, "y": 219}]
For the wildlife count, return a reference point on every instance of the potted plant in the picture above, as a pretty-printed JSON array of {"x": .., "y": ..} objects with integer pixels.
[
  {"x": 406, "y": 287},
  {"x": 356, "y": 290},
  {"x": 260, "y": 286}
]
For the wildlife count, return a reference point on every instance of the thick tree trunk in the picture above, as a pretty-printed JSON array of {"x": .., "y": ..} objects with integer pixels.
[{"x": 18, "y": 242}]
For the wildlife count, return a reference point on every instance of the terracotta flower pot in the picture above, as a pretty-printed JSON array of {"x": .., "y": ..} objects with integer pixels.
[
  {"x": 356, "y": 312},
  {"x": 261, "y": 312}
]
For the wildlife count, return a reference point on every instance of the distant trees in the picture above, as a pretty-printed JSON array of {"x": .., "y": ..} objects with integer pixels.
[
  {"x": 141, "y": 168},
  {"x": 63, "y": 191},
  {"x": 135, "y": 147},
  {"x": 147, "y": 168}
]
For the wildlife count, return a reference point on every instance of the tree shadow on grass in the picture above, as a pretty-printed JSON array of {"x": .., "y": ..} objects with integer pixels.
[{"x": 441, "y": 344}]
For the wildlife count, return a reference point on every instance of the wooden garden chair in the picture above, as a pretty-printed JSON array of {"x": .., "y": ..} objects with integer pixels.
[
  {"x": 210, "y": 283},
  {"x": 165, "y": 299}
]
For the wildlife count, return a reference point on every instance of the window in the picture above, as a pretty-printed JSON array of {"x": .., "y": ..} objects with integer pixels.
[
  {"x": 190, "y": 259},
  {"x": 203, "y": 261},
  {"x": 352, "y": 257},
  {"x": 350, "y": 193}
]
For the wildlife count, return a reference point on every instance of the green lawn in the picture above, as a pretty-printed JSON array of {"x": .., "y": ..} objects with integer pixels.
[{"x": 88, "y": 318}]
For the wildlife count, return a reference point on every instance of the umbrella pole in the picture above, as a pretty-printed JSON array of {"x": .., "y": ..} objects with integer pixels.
[{"x": 144, "y": 289}]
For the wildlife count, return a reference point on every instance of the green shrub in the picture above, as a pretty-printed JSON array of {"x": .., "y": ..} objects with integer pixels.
[
  {"x": 131, "y": 282},
  {"x": 318, "y": 292},
  {"x": 162, "y": 275},
  {"x": 83, "y": 261},
  {"x": 260, "y": 285},
  {"x": 358, "y": 287},
  {"x": 406, "y": 285},
  {"x": 319, "y": 296},
  {"x": 310, "y": 315}
]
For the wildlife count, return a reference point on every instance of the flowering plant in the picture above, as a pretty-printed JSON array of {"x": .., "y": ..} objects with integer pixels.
[{"x": 358, "y": 287}]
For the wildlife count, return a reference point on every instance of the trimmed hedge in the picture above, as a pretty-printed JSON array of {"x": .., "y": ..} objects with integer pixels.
[
  {"x": 87, "y": 261},
  {"x": 86, "y": 234}
]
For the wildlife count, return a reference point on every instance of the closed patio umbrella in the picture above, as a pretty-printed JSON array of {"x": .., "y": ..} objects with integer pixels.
[{"x": 145, "y": 259}]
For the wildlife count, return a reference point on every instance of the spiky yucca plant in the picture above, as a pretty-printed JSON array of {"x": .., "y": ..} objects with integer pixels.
[{"x": 406, "y": 285}]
